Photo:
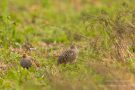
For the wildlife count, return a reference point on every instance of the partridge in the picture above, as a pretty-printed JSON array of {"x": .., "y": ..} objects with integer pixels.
[
  {"x": 27, "y": 62},
  {"x": 68, "y": 56},
  {"x": 27, "y": 46}
]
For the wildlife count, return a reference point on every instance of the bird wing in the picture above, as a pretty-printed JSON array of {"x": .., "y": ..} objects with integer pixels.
[{"x": 67, "y": 54}]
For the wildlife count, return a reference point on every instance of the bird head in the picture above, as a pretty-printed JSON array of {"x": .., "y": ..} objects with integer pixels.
[
  {"x": 73, "y": 46},
  {"x": 24, "y": 55}
]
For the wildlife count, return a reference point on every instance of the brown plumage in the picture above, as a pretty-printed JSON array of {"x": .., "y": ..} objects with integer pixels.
[
  {"x": 27, "y": 46},
  {"x": 27, "y": 62},
  {"x": 68, "y": 56}
]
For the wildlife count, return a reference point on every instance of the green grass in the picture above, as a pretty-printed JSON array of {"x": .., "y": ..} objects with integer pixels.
[{"x": 103, "y": 31}]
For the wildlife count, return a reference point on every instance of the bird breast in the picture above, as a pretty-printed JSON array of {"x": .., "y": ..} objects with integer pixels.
[{"x": 26, "y": 62}]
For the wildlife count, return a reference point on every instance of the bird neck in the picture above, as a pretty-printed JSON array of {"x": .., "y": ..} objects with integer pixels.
[{"x": 74, "y": 49}]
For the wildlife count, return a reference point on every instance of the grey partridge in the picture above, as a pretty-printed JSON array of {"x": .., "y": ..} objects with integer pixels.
[
  {"x": 27, "y": 46},
  {"x": 68, "y": 56},
  {"x": 26, "y": 61}
]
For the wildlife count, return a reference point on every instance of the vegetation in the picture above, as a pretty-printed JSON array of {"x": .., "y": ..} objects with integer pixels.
[{"x": 103, "y": 30}]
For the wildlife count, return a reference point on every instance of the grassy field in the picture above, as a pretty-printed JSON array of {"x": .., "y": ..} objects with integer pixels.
[{"x": 103, "y": 31}]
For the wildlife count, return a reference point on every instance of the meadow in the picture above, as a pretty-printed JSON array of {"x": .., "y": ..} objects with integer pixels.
[{"x": 103, "y": 31}]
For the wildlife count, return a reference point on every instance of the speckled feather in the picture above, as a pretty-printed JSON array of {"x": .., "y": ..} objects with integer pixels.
[{"x": 68, "y": 56}]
